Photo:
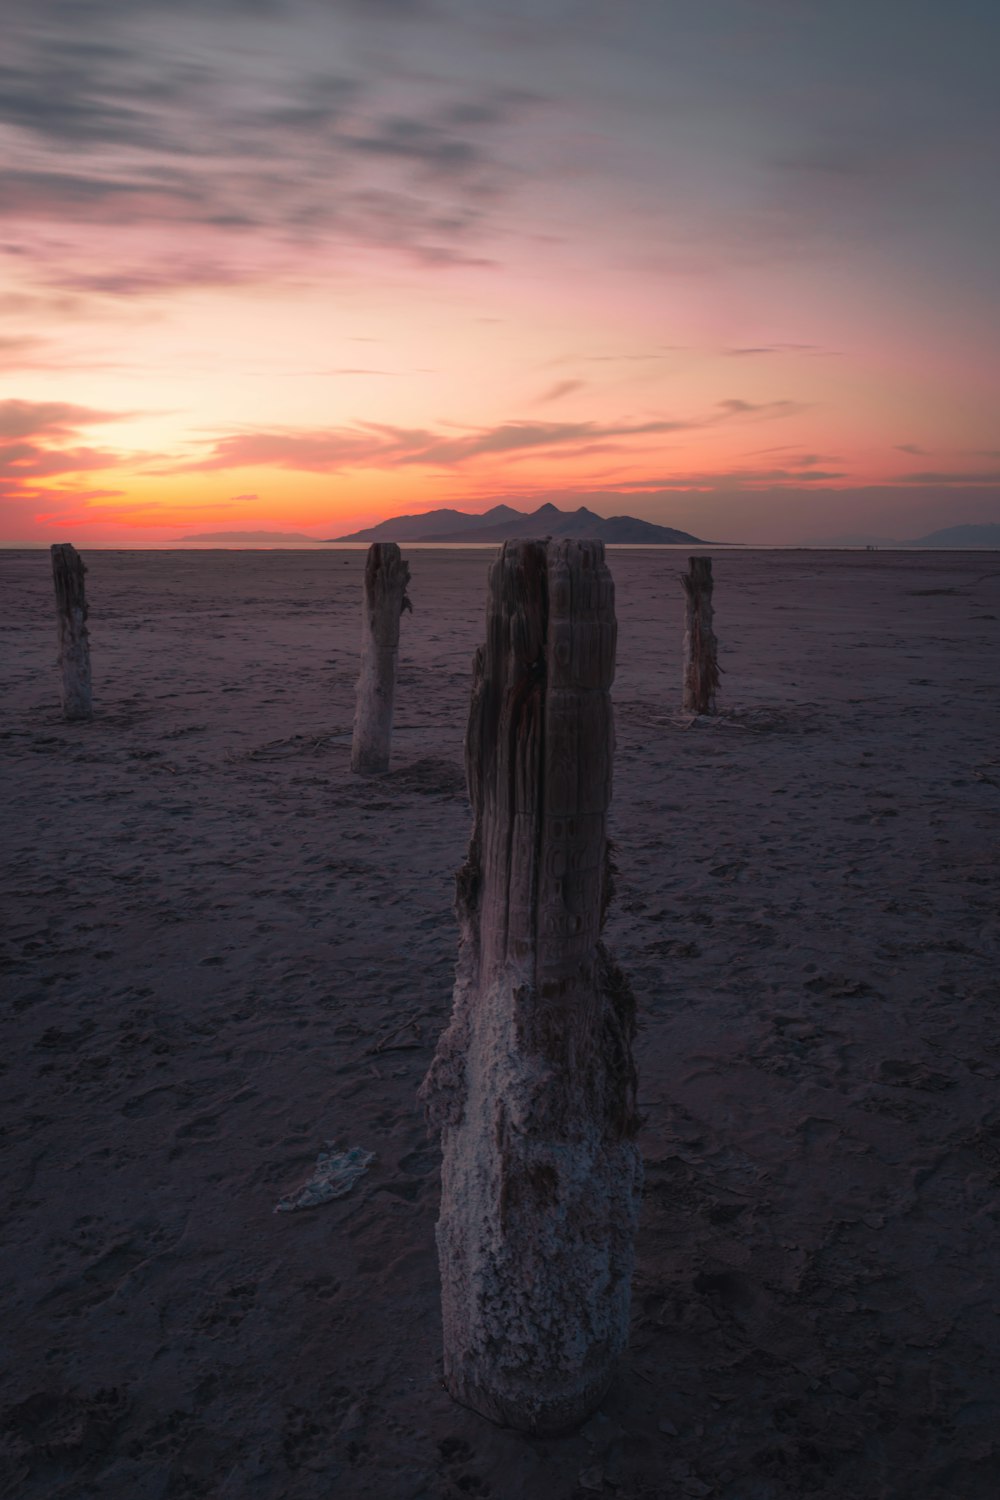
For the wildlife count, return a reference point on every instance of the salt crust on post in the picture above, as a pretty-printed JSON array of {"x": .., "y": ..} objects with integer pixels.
[
  {"x": 74, "y": 645},
  {"x": 533, "y": 1084},
  {"x": 701, "y": 665},
  {"x": 382, "y": 603}
]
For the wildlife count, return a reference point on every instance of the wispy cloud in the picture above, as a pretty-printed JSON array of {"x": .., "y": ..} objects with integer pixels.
[
  {"x": 560, "y": 389},
  {"x": 21, "y": 350},
  {"x": 358, "y": 370},
  {"x": 39, "y": 444},
  {"x": 326, "y": 451},
  {"x": 20, "y": 462},
  {"x": 133, "y": 129},
  {"x": 432, "y": 146},
  {"x": 735, "y": 407},
  {"x": 519, "y": 437},
  {"x": 382, "y": 445},
  {"x": 747, "y": 350},
  {"x": 75, "y": 507},
  {"x": 19, "y": 419},
  {"x": 971, "y": 477},
  {"x": 736, "y": 478}
]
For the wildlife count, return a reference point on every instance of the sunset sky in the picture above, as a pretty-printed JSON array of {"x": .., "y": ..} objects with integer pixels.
[{"x": 299, "y": 265}]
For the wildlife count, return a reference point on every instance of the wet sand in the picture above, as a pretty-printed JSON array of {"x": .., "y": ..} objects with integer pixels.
[{"x": 222, "y": 951}]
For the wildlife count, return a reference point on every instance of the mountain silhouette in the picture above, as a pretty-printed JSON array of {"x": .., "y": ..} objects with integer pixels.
[
  {"x": 502, "y": 522},
  {"x": 987, "y": 535}
]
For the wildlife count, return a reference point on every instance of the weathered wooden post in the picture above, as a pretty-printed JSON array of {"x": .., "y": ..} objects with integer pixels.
[
  {"x": 533, "y": 1083},
  {"x": 74, "y": 646},
  {"x": 701, "y": 667},
  {"x": 383, "y": 601}
]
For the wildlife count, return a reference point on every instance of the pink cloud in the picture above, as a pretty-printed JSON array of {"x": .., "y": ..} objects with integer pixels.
[
  {"x": 48, "y": 418},
  {"x": 379, "y": 445},
  {"x": 33, "y": 435}
]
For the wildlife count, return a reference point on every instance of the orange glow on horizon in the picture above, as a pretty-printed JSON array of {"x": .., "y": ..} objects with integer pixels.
[{"x": 486, "y": 260}]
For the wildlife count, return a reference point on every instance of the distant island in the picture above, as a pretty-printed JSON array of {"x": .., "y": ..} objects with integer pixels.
[
  {"x": 960, "y": 536},
  {"x": 502, "y": 522},
  {"x": 250, "y": 537},
  {"x": 983, "y": 535}
]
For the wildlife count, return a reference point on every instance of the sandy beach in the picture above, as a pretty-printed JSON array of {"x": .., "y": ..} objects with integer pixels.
[{"x": 222, "y": 952}]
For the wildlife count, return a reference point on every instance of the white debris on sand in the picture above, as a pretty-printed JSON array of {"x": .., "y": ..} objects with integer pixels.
[{"x": 335, "y": 1174}]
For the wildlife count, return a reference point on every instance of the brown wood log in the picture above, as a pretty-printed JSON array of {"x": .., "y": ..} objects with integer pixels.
[
  {"x": 74, "y": 644},
  {"x": 383, "y": 601},
  {"x": 701, "y": 666},
  {"x": 533, "y": 1083}
]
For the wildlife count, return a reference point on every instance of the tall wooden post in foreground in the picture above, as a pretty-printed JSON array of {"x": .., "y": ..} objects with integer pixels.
[
  {"x": 701, "y": 667},
  {"x": 383, "y": 601},
  {"x": 533, "y": 1083},
  {"x": 74, "y": 646}
]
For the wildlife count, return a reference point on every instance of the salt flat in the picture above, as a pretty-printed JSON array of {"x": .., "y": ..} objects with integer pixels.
[{"x": 223, "y": 951}]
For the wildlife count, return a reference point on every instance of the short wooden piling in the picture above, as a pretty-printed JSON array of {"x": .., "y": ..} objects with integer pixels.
[
  {"x": 533, "y": 1083},
  {"x": 383, "y": 601},
  {"x": 701, "y": 667},
  {"x": 74, "y": 646}
]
